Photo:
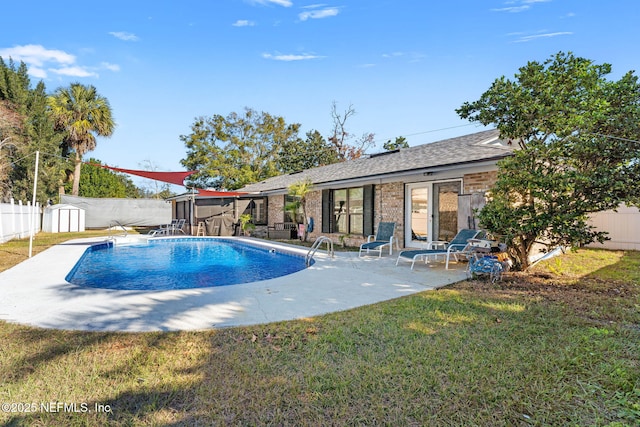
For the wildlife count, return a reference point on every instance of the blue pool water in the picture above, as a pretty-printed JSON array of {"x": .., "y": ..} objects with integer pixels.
[{"x": 166, "y": 264}]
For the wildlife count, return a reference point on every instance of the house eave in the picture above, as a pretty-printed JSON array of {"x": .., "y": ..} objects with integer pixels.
[{"x": 391, "y": 176}]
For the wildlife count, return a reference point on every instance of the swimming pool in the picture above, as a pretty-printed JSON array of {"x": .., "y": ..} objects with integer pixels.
[{"x": 180, "y": 263}]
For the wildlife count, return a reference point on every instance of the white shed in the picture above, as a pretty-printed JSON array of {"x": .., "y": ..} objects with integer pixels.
[{"x": 62, "y": 219}]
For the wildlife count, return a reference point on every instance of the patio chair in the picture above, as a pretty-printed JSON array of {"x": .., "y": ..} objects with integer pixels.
[
  {"x": 169, "y": 229},
  {"x": 383, "y": 237},
  {"x": 457, "y": 246},
  {"x": 177, "y": 227}
]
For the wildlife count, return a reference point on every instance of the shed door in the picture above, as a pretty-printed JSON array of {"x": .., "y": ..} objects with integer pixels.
[{"x": 63, "y": 220}]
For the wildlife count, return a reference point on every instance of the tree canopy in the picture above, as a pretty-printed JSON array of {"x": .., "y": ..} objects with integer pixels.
[
  {"x": 297, "y": 154},
  {"x": 32, "y": 120},
  {"x": 230, "y": 152},
  {"x": 233, "y": 151},
  {"x": 26, "y": 127},
  {"x": 100, "y": 182},
  {"x": 577, "y": 134}
]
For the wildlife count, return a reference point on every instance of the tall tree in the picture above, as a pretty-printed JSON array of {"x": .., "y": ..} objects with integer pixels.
[
  {"x": 296, "y": 155},
  {"x": 230, "y": 152},
  {"x": 346, "y": 145},
  {"x": 26, "y": 127},
  {"x": 578, "y": 135},
  {"x": 14, "y": 89},
  {"x": 10, "y": 126},
  {"x": 82, "y": 114}
]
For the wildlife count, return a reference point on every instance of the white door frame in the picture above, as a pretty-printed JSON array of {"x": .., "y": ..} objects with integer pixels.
[{"x": 430, "y": 213}]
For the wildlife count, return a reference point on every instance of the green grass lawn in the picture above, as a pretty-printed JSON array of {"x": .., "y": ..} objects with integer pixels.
[{"x": 560, "y": 346}]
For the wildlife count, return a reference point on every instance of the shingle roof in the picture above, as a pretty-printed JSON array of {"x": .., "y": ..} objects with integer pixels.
[{"x": 480, "y": 146}]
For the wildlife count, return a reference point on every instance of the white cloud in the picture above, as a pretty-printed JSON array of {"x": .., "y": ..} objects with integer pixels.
[
  {"x": 284, "y": 3},
  {"x": 123, "y": 35},
  {"x": 319, "y": 14},
  {"x": 37, "y": 55},
  {"x": 513, "y": 9},
  {"x": 290, "y": 57},
  {"x": 42, "y": 61},
  {"x": 110, "y": 67},
  {"x": 411, "y": 57},
  {"x": 393, "y": 54},
  {"x": 38, "y": 73},
  {"x": 518, "y": 6},
  {"x": 74, "y": 71},
  {"x": 524, "y": 39},
  {"x": 243, "y": 23}
]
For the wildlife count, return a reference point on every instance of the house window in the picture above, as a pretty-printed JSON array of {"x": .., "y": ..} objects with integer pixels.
[
  {"x": 348, "y": 210},
  {"x": 290, "y": 201}
]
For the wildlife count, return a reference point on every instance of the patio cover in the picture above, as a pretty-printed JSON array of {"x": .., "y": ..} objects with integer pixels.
[{"x": 176, "y": 178}]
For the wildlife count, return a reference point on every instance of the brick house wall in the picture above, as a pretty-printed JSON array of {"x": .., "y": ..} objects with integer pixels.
[
  {"x": 479, "y": 182},
  {"x": 275, "y": 209},
  {"x": 389, "y": 206},
  {"x": 473, "y": 197}
]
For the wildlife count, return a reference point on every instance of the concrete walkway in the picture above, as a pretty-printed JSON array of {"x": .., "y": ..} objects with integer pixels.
[{"x": 35, "y": 293}]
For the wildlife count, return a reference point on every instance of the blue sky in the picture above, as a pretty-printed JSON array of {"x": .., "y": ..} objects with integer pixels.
[{"x": 405, "y": 66}]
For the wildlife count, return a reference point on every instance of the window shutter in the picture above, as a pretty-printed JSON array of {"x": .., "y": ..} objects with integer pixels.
[
  {"x": 367, "y": 210},
  {"x": 327, "y": 208}
]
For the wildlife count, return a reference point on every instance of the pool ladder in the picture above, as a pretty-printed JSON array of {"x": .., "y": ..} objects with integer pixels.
[
  {"x": 316, "y": 245},
  {"x": 112, "y": 226}
]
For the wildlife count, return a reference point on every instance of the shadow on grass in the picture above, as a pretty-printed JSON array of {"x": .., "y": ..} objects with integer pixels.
[{"x": 464, "y": 355}]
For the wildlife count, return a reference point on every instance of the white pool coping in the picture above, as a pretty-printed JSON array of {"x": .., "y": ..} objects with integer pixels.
[{"x": 36, "y": 293}]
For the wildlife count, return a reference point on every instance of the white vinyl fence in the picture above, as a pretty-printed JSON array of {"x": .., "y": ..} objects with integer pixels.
[
  {"x": 16, "y": 220},
  {"x": 623, "y": 227}
]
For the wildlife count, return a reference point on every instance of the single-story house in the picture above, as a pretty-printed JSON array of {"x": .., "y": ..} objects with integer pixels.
[{"x": 430, "y": 191}]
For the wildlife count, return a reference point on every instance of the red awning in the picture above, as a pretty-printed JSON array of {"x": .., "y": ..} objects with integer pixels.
[{"x": 176, "y": 178}]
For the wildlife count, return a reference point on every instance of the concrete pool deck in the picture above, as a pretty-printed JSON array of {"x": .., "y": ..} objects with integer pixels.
[{"x": 35, "y": 293}]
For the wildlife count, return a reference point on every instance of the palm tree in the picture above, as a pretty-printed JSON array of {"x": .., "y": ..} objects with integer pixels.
[{"x": 82, "y": 114}]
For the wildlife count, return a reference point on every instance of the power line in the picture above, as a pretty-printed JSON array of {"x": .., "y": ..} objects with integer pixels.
[
  {"x": 617, "y": 137},
  {"x": 428, "y": 131}
]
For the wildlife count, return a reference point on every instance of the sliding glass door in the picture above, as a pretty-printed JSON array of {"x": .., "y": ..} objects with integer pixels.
[
  {"x": 445, "y": 207},
  {"x": 431, "y": 212}
]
